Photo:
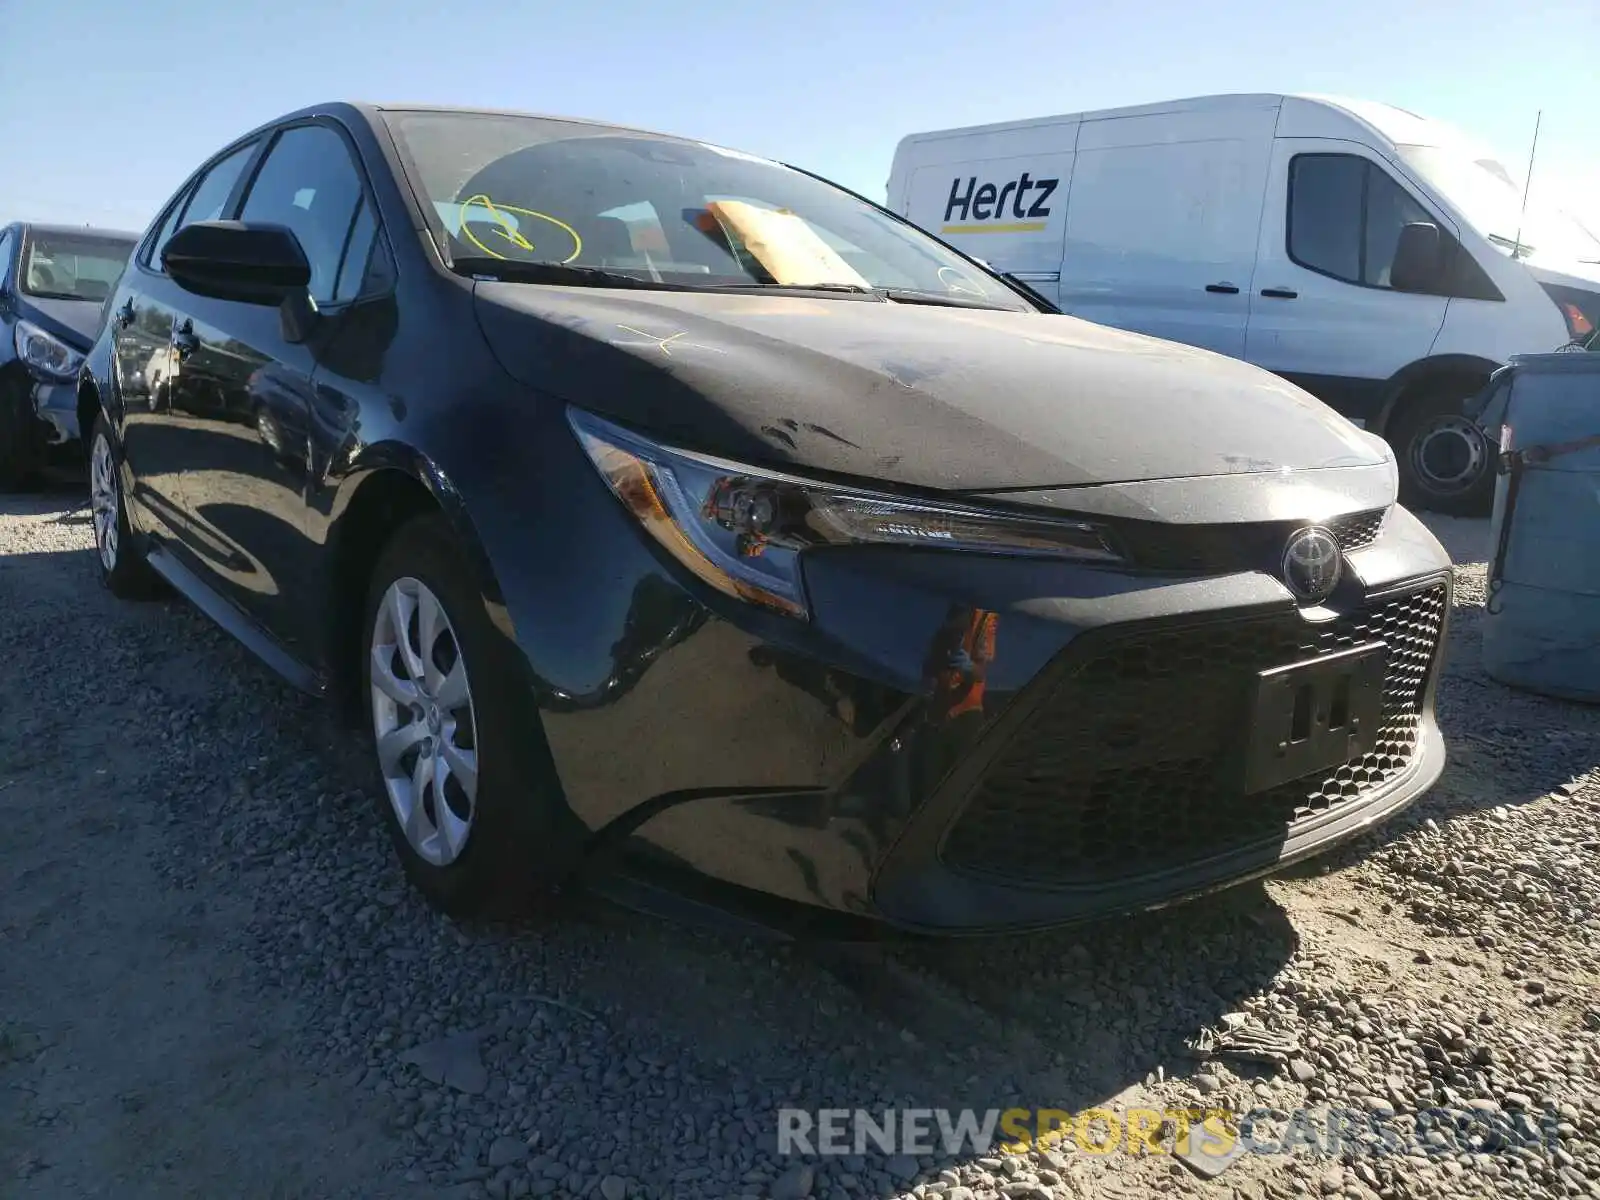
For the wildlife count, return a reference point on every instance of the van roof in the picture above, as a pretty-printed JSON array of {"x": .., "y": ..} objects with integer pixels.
[{"x": 1388, "y": 121}]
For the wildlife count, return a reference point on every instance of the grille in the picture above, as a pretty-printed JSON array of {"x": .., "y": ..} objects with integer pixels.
[
  {"x": 1357, "y": 530},
  {"x": 1251, "y": 546},
  {"x": 1123, "y": 770}
]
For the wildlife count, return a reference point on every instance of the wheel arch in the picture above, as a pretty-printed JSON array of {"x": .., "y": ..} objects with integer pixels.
[
  {"x": 89, "y": 408},
  {"x": 387, "y": 485},
  {"x": 1422, "y": 375}
]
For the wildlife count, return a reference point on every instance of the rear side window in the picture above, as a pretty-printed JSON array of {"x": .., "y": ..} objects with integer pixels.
[
  {"x": 309, "y": 183},
  {"x": 169, "y": 227},
  {"x": 357, "y": 253},
  {"x": 206, "y": 202},
  {"x": 1345, "y": 217}
]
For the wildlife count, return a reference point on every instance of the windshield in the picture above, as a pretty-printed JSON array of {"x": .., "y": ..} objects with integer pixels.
[
  {"x": 1490, "y": 200},
  {"x": 534, "y": 190},
  {"x": 73, "y": 266}
]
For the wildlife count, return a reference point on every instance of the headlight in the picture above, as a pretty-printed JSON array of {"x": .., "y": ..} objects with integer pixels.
[
  {"x": 45, "y": 352},
  {"x": 742, "y": 529}
]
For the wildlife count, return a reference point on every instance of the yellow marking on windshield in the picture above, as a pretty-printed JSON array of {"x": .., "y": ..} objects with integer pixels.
[{"x": 507, "y": 229}]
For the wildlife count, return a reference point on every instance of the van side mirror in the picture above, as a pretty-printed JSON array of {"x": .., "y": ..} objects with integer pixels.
[
  {"x": 1418, "y": 259},
  {"x": 237, "y": 260}
]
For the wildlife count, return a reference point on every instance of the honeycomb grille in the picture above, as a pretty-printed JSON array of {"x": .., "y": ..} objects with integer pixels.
[
  {"x": 1124, "y": 770},
  {"x": 1358, "y": 530}
]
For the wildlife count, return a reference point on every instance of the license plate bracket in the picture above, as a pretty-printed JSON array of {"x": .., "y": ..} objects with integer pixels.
[{"x": 1313, "y": 715}]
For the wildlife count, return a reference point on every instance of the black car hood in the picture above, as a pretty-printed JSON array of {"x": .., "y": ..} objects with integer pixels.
[
  {"x": 74, "y": 321},
  {"x": 924, "y": 397}
]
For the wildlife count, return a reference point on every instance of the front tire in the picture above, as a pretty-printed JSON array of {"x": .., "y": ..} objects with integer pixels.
[
  {"x": 1446, "y": 463},
  {"x": 123, "y": 568},
  {"x": 468, "y": 790}
]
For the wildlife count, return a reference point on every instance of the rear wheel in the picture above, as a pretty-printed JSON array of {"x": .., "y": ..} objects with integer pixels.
[
  {"x": 468, "y": 790},
  {"x": 122, "y": 565},
  {"x": 1446, "y": 463}
]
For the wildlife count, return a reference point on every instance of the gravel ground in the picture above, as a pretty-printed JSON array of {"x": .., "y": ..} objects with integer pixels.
[{"x": 215, "y": 982}]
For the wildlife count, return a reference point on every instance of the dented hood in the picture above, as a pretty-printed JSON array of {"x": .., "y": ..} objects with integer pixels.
[{"x": 930, "y": 398}]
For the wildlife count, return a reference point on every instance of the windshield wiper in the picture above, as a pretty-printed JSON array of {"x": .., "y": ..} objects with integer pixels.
[
  {"x": 901, "y": 295},
  {"x": 852, "y": 289},
  {"x": 513, "y": 271},
  {"x": 1031, "y": 292},
  {"x": 940, "y": 299}
]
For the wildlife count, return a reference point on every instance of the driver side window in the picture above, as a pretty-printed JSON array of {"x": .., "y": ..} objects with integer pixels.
[{"x": 1345, "y": 217}]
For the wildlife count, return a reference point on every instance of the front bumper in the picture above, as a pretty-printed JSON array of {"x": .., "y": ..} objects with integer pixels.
[
  {"x": 1109, "y": 787},
  {"x": 57, "y": 406},
  {"x": 826, "y": 768}
]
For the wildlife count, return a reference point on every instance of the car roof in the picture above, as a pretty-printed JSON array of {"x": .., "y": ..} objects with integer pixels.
[
  {"x": 1386, "y": 120},
  {"x": 81, "y": 230},
  {"x": 371, "y": 111}
]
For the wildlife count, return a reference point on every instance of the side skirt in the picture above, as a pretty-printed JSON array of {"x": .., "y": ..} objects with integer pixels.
[{"x": 253, "y": 637}]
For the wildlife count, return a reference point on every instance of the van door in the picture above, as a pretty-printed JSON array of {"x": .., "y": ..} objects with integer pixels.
[
  {"x": 1324, "y": 315},
  {"x": 1163, "y": 224},
  {"x": 1006, "y": 205}
]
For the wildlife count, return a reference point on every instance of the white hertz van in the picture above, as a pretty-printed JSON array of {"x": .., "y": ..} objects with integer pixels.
[{"x": 1374, "y": 257}]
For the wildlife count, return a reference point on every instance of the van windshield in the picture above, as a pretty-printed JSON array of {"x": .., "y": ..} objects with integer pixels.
[
  {"x": 537, "y": 191},
  {"x": 1490, "y": 200}
]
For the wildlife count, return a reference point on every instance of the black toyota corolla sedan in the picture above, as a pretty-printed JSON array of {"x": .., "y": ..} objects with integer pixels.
[
  {"x": 662, "y": 508},
  {"x": 54, "y": 280}
]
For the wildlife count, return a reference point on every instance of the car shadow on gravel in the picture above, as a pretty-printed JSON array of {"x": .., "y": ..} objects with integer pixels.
[{"x": 1061, "y": 1022}]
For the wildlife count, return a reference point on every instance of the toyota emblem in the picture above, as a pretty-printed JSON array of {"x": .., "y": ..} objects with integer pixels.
[{"x": 1312, "y": 564}]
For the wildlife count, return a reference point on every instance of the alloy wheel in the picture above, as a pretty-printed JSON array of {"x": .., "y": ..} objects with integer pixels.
[
  {"x": 423, "y": 721},
  {"x": 104, "y": 502}
]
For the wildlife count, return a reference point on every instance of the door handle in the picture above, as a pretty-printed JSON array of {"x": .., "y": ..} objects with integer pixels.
[
  {"x": 1223, "y": 289},
  {"x": 1280, "y": 293}
]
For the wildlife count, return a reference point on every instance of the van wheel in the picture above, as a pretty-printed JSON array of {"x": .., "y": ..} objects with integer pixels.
[{"x": 1446, "y": 463}]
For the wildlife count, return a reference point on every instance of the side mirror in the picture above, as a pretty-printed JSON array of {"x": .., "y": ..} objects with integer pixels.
[
  {"x": 237, "y": 260},
  {"x": 1418, "y": 259}
]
